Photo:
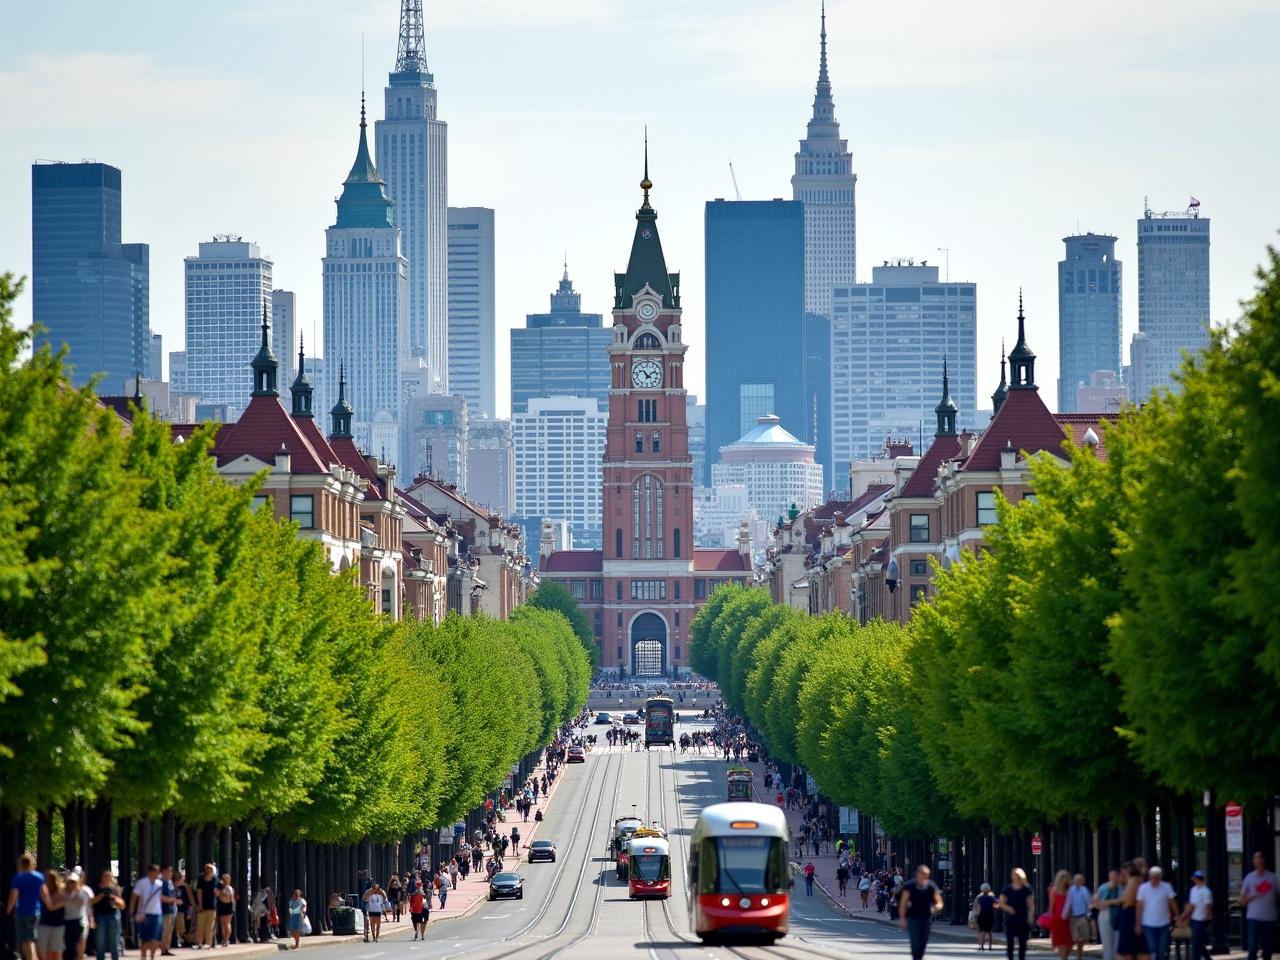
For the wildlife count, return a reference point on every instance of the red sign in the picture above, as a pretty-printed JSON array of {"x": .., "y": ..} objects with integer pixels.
[
  {"x": 1233, "y": 809},
  {"x": 1037, "y": 845}
]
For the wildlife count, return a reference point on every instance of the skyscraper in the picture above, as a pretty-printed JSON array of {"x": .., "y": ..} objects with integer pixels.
[
  {"x": 1089, "y": 283},
  {"x": 436, "y": 432},
  {"x": 154, "y": 369},
  {"x": 890, "y": 339},
  {"x": 366, "y": 306},
  {"x": 89, "y": 290},
  {"x": 284, "y": 333},
  {"x": 472, "y": 320},
  {"x": 1173, "y": 296},
  {"x": 560, "y": 354},
  {"x": 228, "y": 286},
  {"x": 491, "y": 466},
  {"x": 759, "y": 338},
  {"x": 824, "y": 182},
  {"x": 412, "y": 154},
  {"x": 559, "y": 444}
]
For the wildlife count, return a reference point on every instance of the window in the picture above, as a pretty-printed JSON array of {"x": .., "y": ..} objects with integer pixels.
[
  {"x": 647, "y": 341},
  {"x": 754, "y": 401},
  {"x": 639, "y": 442},
  {"x": 986, "y": 507},
  {"x": 302, "y": 510},
  {"x": 919, "y": 528},
  {"x": 918, "y": 593},
  {"x": 657, "y": 442},
  {"x": 699, "y": 589},
  {"x": 919, "y": 568},
  {"x": 648, "y": 589},
  {"x": 647, "y": 519},
  {"x": 260, "y": 499},
  {"x": 619, "y": 597},
  {"x": 677, "y": 651},
  {"x": 1029, "y": 498},
  {"x": 677, "y": 589},
  {"x": 579, "y": 589},
  {"x": 597, "y": 590},
  {"x": 619, "y": 648},
  {"x": 617, "y": 542},
  {"x": 647, "y": 411},
  {"x": 675, "y": 543},
  {"x": 617, "y": 594}
]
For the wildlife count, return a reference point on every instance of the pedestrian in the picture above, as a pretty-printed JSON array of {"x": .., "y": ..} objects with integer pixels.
[
  {"x": 77, "y": 917},
  {"x": 419, "y": 911},
  {"x": 394, "y": 895},
  {"x": 376, "y": 902},
  {"x": 206, "y": 907},
  {"x": 1079, "y": 903},
  {"x": 984, "y": 916},
  {"x": 920, "y": 901},
  {"x": 443, "y": 887},
  {"x": 1258, "y": 897},
  {"x": 1129, "y": 940},
  {"x": 1157, "y": 906},
  {"x": 184, "y": 926},
  {"x": 809, "y": 871},
  {"x": 24, "y": 905},
  {"x": 1059, "y": 915},
  {"x": 168, "y": 910},
  {"x": 864, "y": 888},
  {"x": 297, "y": 917},
  {"x": 1018, "y": 904},
  {"x": 106, "y": 905},
  {"x": 842, "y": 878},
  {"x": 1107, "y": 900},
  {"x": 1198, "y": 912},
  {"x": 226, "y": 899},
  {"x": 51, "y": 930}
]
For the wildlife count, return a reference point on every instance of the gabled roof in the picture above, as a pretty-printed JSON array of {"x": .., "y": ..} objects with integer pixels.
[
  {"x": 720, "y": 561},
  {"x": 573, "y": 561},
  {"x": 920, "y": 483},
  {"x": 349, "y": 455},
  {"x": 262, "y": 430},
  {"x": 1022, "y": 423}
]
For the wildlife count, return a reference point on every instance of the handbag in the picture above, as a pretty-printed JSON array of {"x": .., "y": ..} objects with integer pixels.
[
  {"x": 1182, "y": 931},
  {"x": 273, "y": 918},
  {"x": 1044, "y": 921},
  {"x": 306, "y": 925}
]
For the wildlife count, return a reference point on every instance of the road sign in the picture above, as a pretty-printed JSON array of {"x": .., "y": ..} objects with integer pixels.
[
  {"x": 1037, "y": 845},
  {"x": 848, "y": 820},
  {"x": 1235, "y": 827}
]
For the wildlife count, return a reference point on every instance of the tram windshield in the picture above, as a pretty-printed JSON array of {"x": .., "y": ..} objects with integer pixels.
[
  {"x": 649, "y": 867},
  {"x": 742, "y": 865}
]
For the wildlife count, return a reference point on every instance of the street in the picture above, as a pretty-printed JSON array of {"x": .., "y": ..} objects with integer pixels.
[{"x": 577, "y": 909}]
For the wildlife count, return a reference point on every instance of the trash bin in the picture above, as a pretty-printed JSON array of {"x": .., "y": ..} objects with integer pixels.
[{"x": 343, "y": 920}]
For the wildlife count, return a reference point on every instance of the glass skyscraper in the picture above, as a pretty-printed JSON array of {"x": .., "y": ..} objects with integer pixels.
[
  {"x": 562, "y": 353},
  {"x": 764, "y": 355},
  {"x": 1089, "y": 284},
  {"x": 472, "y": 319},
  {"x": 89, "y": 290}
]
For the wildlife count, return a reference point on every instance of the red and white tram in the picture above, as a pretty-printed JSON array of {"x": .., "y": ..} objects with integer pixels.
[
  {"x": 648, "y": 865},
  {"x": 739, "y": 878}
]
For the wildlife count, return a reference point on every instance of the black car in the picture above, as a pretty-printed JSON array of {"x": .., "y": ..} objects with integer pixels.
[
  {"x": 603, "y": 719},
  {"x": 506, "y": 885},
  {"x": 631, "y": 719},
  {"x": 542, "y": 850}
]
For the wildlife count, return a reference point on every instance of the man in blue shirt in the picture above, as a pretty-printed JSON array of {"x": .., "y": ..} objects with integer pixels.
[{"x": 24, "y": 904}]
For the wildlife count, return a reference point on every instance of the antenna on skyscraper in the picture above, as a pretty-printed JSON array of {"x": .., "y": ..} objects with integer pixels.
[
  {"x": 411, "y": 51},
  {"x": 736, "y": 191}
]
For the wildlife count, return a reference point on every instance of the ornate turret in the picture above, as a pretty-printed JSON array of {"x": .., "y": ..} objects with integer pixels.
[
  {"x": 646, "y": 266},
  {"x": 341, "y": 412},
  {"x": 1002, "y": 391},
  {"x": 265, "y": 367},
  {"x": 1022, "y": 360},
  {"x": 946, "y": 408},
  {"x": 364, "y": 201},
  {"x": 301, "y": 390}
]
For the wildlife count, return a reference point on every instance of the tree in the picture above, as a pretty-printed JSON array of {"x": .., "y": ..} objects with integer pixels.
[
  {"x": 553, "y": 596},
  {"x": 728, "y": 629},
  {"x": 704, "y": 652}
]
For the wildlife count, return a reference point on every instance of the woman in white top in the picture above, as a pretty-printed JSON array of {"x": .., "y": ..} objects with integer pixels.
[
  {"x": 376, "y": 900},
  {"x": 77, "y": 913}
]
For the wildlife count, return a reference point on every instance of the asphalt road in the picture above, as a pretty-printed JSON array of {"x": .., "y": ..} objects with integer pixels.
[{"x": 576, "y": 909}]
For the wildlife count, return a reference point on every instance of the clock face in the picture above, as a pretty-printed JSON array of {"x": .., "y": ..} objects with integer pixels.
[
  {"x": 646, "y": 374},
  {"x": 647, "y": 310}
]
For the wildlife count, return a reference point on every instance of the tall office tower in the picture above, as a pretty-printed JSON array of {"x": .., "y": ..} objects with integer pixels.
[
  {"x": 561, "y": 353},
  {"x": 436, "y": 437},
  {"x": 1089, "y": 279},
  {"x": 178, "y": 371},
  {"x": 89, "y": 290},
  {"x": 228, "y": 286},
  {"x": 284, "y": 334},
  {"x": 1173, "y": 296},
  {"x": 154, "y": 369},
  {"x": 765, "y": 354},
  {"x": 366, "y": 306},
  {"x": 472, "y": 320},
  {"x": 824, "y": 182},
  {"x": 559, "y": 446},
  {"x": 491, "y": 465},
  {"x": 890, "y": 339},
  {"x": 695, "y": 415},
  {"x": 412, "y": 152}
]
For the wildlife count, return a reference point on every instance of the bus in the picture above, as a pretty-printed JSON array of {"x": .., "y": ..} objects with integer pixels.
[
  {"x": 648, "y": 865},
  {"x": 659, "y": 722},
  {"x": 739, "y": 784},
  {"x": 739, "y": 878}
]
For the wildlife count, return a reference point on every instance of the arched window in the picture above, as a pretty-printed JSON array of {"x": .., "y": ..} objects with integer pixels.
[
  {"x": 647, "y": 518},
  {"x": 675, "y": 545},
  {"x": 647, "y": 341},
  {"x": 617, "y": 542}
]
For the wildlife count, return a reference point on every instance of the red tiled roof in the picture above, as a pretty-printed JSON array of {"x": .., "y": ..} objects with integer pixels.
[
  {"x": 920, "y": 483},
  {"x": 1078, "y": 424},
  {"x": 263, "y": 428},
  {"x": 720, "y": 561},
  {"x": 311, "y": 431},
  {"x": 1022, "y": 423},
  {"x": 349, "y": 455},
  {"x": 573, "y": 561},
  {"x": 185, "y": 430}
]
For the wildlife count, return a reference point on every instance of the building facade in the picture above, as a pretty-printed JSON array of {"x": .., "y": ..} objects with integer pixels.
[
  {"x": 491, "y": 464},
  {"x": 777, "y": 469},
  {"x": 890, "y": 339},
  {"x": 561, "y": 353},
  {"x": 1089, "y": 313},
  {"x": 1103, "y": 393},
  {"x": 824, "y": 182},
  {"x": 89, "y": 290},
  {"x": 366, "y": 305},
  {"x": 472, "y": 320},
  {"x": 1173, "y": 296},
  {"x": 642, "y": 588},
  {"x": 285, "y": 332},
  {"x": 412, "y": 147},
  {"x": 228, "y": 285},
  {"x": 559, "y": 446},
  {"x": 154, "y": 370},
  {"x": 436, "y": 433}
]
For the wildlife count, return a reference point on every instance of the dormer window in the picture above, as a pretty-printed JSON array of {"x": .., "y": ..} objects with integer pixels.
[{"x": 647, "y": 341}]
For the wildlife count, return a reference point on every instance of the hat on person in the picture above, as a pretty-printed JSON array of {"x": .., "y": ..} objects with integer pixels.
[
  {"x": 1197, "y": 875},
  {"x": 985, "y": 888}
]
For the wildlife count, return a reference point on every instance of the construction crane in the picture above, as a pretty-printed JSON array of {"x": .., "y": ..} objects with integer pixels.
[{"x": 736, "y": 191}]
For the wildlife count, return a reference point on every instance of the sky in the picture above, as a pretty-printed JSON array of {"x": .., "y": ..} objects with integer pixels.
[{"x": 992, "y": 129}]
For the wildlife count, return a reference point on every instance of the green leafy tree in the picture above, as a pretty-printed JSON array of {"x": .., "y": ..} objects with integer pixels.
[
  {"x": 553, "y": 596},
  {"x": 728, "y": 629},
  {"x": 704, "y": 652}
]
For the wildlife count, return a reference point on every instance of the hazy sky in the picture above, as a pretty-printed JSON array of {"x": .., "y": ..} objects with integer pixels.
[{"x": 990, "y": 128}]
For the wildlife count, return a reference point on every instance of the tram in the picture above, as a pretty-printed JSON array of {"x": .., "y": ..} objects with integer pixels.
[
  {"x": 659, "y": 722},
  {"x": 648, "y": 865},
  {"x": 740, "y": 779},
  {"x": 739, "y": 878}
]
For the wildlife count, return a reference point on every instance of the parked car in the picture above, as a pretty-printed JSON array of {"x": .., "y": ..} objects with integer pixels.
[
  {"x": 506, "y": 885},
  {"x": 542, "y": 850},
  {"x": 631, "y": 719},
  {"x": 576, "y": 755}
]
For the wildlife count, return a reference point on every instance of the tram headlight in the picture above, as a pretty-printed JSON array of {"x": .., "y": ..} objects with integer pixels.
[
  {"x": 764, "y": 901},
  {"x": 745, "y": 903},
  {"x": 725, "y": 901}
]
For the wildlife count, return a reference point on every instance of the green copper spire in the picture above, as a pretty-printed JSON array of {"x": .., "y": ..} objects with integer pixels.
[
  {"x": 341, "y": 412},
  {"x": 364, "y": 201},
  {"x": 301, "y": 390},
  {"x": 265, "y": 367}
]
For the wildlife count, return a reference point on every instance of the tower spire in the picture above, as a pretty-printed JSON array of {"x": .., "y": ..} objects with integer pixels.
[
  {"x": 411, "y": 53},
  {"x": 946, "y": 408},
  {"x": 824, "y": 107},
  {"x": 341, "y": 412},
  {"x": 1022, "y": 359},
  {"x": 822, "y": 59},
  {"x": 264, "y": 364},
  {"x": 1002, "y": 390},
  {"x": 646, "y": 184},
  {"x": 301, "y": 390}
]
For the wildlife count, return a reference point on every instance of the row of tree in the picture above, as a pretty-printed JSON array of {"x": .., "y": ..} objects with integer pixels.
[
  {"x": 1116, "y": 645},
  {"x": 165, "y": 648}
]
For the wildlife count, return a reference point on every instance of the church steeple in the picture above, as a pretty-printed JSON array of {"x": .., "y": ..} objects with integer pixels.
[
  {"x": 364, "y": 201},
  {"x": 265, "y": 367},
  {"x": 1002, "y": 390},
  {"x": 341, "y": 412},
  {"x": 946, "y": 408},
  {"x": 301, "y": 390},
  {"x": 1022, "y": 360},
  {"x": 646, "y": 266}
]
